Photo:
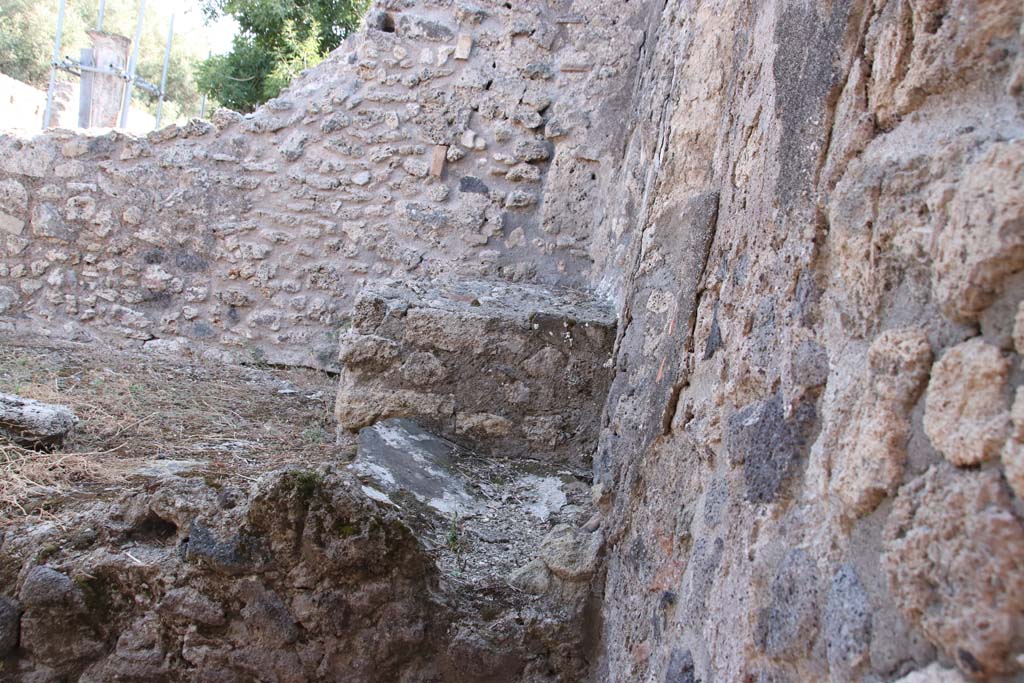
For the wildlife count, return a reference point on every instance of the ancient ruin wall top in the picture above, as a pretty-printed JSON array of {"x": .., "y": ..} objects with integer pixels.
[{"x": 442, "y": 138}]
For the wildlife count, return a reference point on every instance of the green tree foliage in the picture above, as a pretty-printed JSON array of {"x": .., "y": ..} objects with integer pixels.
[
  {"x": 26, "y": 38},
  {"x": 277, "y": 40},
  {"x": 27, "y": 30}
]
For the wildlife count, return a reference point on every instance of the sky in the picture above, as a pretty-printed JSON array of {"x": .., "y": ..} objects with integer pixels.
[{"x": 188, "y": 25}]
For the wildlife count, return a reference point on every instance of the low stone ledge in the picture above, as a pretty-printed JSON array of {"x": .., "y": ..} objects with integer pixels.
[{"x": 504, "y": 368}]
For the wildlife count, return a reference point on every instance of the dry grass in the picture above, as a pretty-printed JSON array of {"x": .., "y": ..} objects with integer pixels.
[{"x": 133, "y": 408}]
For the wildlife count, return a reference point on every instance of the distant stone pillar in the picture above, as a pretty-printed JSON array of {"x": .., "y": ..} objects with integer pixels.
[{"x": 109, "y": 51}]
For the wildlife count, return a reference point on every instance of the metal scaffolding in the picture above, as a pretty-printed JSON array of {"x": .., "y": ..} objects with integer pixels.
[{"x": 86, "y": 66}]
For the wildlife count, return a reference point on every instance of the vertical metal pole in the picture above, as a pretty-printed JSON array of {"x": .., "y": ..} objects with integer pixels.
[
  {"x": 127, "y": 102},
  {"x": 163, "y": 76},
  {"x": 48, "y": 112},
  {"x": 202, "y": 104},
  {"x": 99, "y": 19},
  {"x": 85, "y": 92}
]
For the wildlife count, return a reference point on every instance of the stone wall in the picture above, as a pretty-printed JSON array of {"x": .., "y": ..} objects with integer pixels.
[
  {"x": 511, "y": 371},
  {"x": 811, "y": 215},
  {"x": 810, "y": 464},
  {"x": 422, "y": 146}
]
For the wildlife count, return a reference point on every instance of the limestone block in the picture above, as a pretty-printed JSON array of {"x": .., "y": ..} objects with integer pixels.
[
  {"x": 461, "y": 344},
  {"x": 870, "y": 451},
  {"x": 8, "y": 297},
  {"x": 368, "y": 353},
  {"x": 33, "y": 424},
  {"x": 982, "y": 243},
  {"x": 532, "y": 150},
  {"x": 571, "y": 554},
  {"x": 416, "y": 167},
  {"x": 11, "y": 225},
  {"x": 523, "y": 173},
  {"x": 47, "y": 222},
  {"x": 952, "y": 553},
  {"x": 528, "y": 119},
  {"x": 294, "y": 145},
  {"x": 437, "y": 160},
  {"x": 966, "y": 409},
  {"x": 13, "y": 196},
  {"x": 463, "y": 46},
  {"x": 518, "y": 199},
  {"x": 933, "y": 673},
  {"x": 1013, "y": 451}
]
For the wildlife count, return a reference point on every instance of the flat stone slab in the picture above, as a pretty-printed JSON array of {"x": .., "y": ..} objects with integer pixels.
[
  {"x": 519, "y": 304},
  {"x": 33, "y": 424},
  {"x": 400, "y": 456},
  {"x": 505, "y": 369}
]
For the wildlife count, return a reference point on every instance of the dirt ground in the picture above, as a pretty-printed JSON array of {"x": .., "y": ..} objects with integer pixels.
[{"x": 140, "y": 410}]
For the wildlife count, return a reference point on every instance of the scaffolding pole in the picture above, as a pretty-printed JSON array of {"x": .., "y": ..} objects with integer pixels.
[
  {"x": 48, "y": 112},
  {"x": 85, "y": 76},
  {"x": 127, "y": 102},
  {"x": 202, "y": 104},
  {"x": 163, "y": 76},
  {"x": 99, "y": 18}
]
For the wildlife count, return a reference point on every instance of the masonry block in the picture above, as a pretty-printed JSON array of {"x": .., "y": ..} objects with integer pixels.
[
  {"x": 508, "y": 369},
  {"x": 464, "y": 46}
]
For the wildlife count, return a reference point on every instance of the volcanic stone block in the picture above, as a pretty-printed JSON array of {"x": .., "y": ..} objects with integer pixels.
[
  {"x": 953, "y": 549},
  {"x": 512, "y": 369},
  {"x": 9, "y": 616},
  {"x": 33, "y": 424}
]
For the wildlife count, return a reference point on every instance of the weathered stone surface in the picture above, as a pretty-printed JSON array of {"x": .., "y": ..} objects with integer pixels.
[
  {"x": 516, "y": 370},
  {"x": 943, "y": 567},
  {"x": 368, "y": 353},
  {"x": 8, "y": 298},
  {"x": 571, "y": 554},
  {"x": 914, "y": 51},
  {"x": 191, "y": 606},
  {"x": 782, "y": 199},
  {"x": 48, "y": 223},
  {"x": 294, "y": 206},
  {"x": 983, "y": 243},
  {"x": 337, "y": 557},
  {"x": 787, "y": 626},
  {"x": 10, "y": 615},
  {"x": 871, "y": 449},
  {"x": 534, "y": 577},
  {"x": 10, "y": 224},
  {"x": 934, "y": 673},
  {"x": 966, "y": 407},
  {"x": 402, "y": 457},
  {"x": 680, "y": 667},
  {"x": 34, "y": 424},
  {"x": 768, "y": 445},
  {"x": 1013, "y": 452},
  {"x": 46, "y": 587},
  {"x": 847, "y": 624}
]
